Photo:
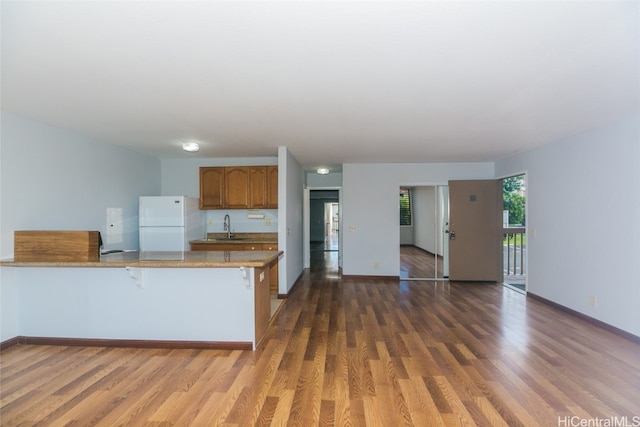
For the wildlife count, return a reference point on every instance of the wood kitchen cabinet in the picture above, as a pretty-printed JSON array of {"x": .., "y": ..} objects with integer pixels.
[
  {"x": 212, "y": 188},
  {"x": 224, "y": 187},
  {"x": 239, "y": 187},
  {"x": 217, "y": 247},
  {"x": 272, "y": 187},
  {"x": 263, "y": 187},
  {"x": 262, "y": 310},
  {"x": 222, "y": 246},
  {"x": 273, "y": 270},
  {"x": 258, "y": 187}
]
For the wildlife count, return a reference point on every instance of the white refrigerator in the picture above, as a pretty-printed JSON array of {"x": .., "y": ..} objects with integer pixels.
[{"x": 168, "y": 223}]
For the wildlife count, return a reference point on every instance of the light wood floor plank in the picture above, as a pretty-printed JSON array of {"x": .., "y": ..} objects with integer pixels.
[{"x": 346, "y": 352}]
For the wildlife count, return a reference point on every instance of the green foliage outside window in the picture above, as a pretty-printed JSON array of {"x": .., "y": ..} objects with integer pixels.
[
  {"x": 405, "y": 206},
  {"x": 513, "y": 201}
]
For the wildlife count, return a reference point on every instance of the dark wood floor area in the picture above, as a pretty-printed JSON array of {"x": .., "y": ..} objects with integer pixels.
[
  {"x": 347, "y": 353},
  {"x": 418, "y": 263}
]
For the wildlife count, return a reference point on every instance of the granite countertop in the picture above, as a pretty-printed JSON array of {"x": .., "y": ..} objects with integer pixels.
[
  {"x": 198, "y": 259},
  {"x": 239, "y": 238}
]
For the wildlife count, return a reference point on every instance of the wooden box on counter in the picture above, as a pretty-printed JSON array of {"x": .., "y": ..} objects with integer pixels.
[{"x": 56, "y": 245}]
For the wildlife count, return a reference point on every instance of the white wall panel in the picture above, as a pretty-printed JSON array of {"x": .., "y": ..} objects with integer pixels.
[
  {"x": 583, "y": 202},
  {"x": 371, "y": 233}
]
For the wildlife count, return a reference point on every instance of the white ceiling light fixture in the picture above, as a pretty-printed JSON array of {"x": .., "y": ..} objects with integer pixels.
[
  {"x": 322, "y": 171},
  {"x": 190, "y": 146}
]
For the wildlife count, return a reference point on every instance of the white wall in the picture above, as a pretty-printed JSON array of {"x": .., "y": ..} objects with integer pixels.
[
  {"x": 424, "y": 205},
  {"x": 371, "y": 236},
  {"x": 290, "y": 224},
  {"x": 407, "y": 234},
  {"x": 430, "y": 208},
  {"x": 331, "y": 180},
  {"x": 9, "y": 304},
  {"x": 55, "y": 179},
  {"x": 583, "y": 201},
  {"x": 241, "y": 223}
]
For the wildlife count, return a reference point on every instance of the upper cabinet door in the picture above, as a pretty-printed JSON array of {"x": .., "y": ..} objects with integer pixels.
[
  {"x": 258, "y": 187},
  {"x": 272, "y": 187},
  {"x": 237, "y": 188},
  {"x": 212, "y": 188}
]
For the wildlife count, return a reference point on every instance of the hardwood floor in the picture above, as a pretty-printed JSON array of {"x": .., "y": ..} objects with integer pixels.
[
  {"x": 347, "y": 353},
  {"x": 417, "y": 263}
]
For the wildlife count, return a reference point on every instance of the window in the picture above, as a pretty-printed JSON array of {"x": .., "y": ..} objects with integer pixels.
[{"x": 405, "y": 206}]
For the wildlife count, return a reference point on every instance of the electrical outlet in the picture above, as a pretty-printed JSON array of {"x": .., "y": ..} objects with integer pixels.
[
  {"x": 267, "y": 222},
  {"x": 375, "y": 265},
  {"x": 593, "y": 301},
  {"x": 210, "y": 222},
  {"x": 533, "y": 233}
]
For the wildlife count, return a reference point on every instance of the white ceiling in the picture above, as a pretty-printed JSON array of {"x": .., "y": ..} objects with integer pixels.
[{"x": 336, "y": 82}]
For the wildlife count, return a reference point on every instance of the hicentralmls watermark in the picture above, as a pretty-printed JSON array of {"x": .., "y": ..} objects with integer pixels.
[{"x": 615, "y": 421}]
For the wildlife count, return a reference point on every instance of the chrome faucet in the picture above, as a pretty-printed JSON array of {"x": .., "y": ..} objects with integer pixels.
[{"x": 227, "y": 225}]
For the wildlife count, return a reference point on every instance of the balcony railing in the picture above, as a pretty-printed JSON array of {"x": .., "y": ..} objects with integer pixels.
[{"x": 515, "y": 244}]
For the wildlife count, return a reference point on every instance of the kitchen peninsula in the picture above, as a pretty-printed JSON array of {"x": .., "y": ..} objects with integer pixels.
[{"x": 208, "y": 299}]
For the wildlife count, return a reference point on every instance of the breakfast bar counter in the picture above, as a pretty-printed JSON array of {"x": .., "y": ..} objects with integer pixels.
[
  {"x": 197, "y": 259},
  {"x": 209, "y": 299}
]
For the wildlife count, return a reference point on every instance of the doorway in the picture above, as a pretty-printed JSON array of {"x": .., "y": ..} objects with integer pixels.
[
  {"x": 424, "y": 243},
  {"x": 514, "y": 222},
  {"x": 324, "y": 227}
]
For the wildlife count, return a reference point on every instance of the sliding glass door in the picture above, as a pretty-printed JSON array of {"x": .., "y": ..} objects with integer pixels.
[{"x": 424, "y": 240}]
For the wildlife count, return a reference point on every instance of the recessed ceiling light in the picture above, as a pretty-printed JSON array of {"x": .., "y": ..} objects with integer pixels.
[
  {"x": 322, "y": 171},
  {"x": 190, "y": 146}
]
